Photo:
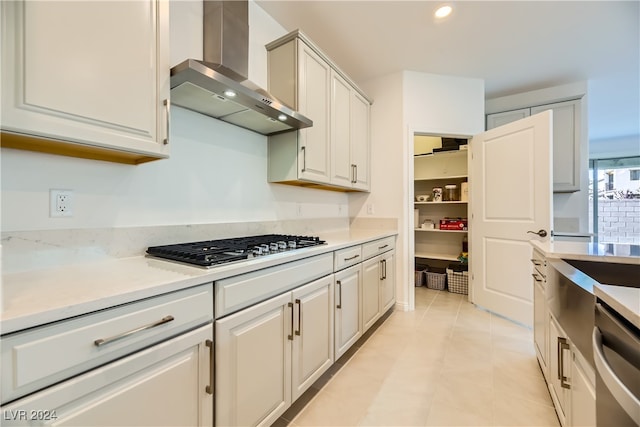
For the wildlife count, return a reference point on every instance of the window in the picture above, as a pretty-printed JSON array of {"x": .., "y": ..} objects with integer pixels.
[{"x": 614, "y": 193}]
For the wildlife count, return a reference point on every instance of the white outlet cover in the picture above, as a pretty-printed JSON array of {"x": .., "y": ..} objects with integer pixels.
[{"x": 60, "y": 203}]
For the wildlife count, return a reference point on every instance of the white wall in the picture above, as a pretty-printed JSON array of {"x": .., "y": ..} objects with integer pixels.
[
  {"x": 216, "y": 172},
  {"x": 405, "y": 103}
]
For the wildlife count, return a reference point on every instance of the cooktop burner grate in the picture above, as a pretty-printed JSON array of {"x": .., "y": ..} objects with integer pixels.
[{"x": 210, "y": 253}]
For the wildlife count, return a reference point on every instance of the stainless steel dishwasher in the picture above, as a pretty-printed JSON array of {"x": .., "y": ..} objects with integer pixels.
[{"x": 616, "y": 352}]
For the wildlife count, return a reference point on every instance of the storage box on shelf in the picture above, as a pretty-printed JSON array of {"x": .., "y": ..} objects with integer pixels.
[
  {"x": 458, "y": 281},
  {"x": 436, "y": 279}
]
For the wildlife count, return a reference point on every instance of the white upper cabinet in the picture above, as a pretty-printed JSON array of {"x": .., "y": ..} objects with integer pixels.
[
  {"x": 334, "y": 152},
  {"x": 86, "y": 79},
  {"x": 569, "y": 127},
  {"x": 566, "y": 144}
]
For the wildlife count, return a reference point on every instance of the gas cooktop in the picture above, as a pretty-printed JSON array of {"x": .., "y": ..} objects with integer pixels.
[{"x": 212, "y": 253}]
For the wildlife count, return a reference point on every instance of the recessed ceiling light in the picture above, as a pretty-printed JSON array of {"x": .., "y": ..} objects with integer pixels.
[{"x": 443, "y": 11}]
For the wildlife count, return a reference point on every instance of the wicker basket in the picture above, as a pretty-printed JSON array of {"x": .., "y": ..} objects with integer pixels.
[
  {"x": 458, "y": 281},
  {"x": 420, "y": 279},
  {"x": 436, "y": 280}
]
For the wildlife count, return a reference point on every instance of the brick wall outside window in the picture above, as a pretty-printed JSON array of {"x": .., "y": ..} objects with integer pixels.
[{"x": 619, "y": 221}]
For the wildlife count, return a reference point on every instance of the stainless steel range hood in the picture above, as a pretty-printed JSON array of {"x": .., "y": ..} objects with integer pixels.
[{"x": 218, "y": 85}]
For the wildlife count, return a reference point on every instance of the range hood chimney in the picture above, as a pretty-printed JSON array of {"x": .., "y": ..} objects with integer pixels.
[{"x": 218, "y": 87}]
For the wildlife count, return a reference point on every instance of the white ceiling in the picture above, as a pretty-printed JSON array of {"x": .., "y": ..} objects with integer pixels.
[{"x": 514, "y": 46}]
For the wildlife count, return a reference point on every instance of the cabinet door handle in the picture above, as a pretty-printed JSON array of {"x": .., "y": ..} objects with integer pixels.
[
  {"x": 384, "y": 263},
  {"x": 103, "y": 341},
  {"x": 562, "y": 345},
  {"x": 299, "y": 317},
  {"x": 167, "y": 111},
  {"x": 209, "y": 388},
  {"x": 339, "y": 305},
  {"x": 352, "y": 257},
  {"x": 536, "y": 277},
  {"x": 381, "y": 262},
  {"x": 304, "y": 158},
  {"x": 290, "y": 336}
]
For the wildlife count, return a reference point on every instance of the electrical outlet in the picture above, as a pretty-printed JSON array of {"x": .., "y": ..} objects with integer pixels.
[{"x": 61, "y": 203}]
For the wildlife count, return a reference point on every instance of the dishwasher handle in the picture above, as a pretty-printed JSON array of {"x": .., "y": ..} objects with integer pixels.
[{"x": 620, "y": 392}]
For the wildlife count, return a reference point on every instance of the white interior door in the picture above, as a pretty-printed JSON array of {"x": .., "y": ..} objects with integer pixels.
[{"x": 511, "y": 195}]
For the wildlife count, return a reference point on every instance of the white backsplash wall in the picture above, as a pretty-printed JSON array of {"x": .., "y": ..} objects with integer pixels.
[{"x": 216, "y": 173}]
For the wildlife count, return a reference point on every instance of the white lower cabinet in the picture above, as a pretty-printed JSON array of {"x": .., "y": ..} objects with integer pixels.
[
  {"x": 163, "y": 385},
  {"x": 559, "y": 370},
  {"x": 583, "y": 393},
  {"x": 268, "y": 354},
  {"x": 348, "y": 309},
  {"x": 378, "y": 288}
]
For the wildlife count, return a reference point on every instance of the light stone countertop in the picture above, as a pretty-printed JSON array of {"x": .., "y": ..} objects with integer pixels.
[
  {"x": 37, "y": 297},
  {"x": 625, "y": 300},
  {"x": 602, "y": 252}
]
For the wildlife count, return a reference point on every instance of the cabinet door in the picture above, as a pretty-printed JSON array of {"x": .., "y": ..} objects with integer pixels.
[
  {"x": 583, "y": 395},
  {"x": 342, "y": 168},
  {"x": 371, "y": 279},
  {"x": 540, "y": 319},
  {"x": 313, "y": 335},
  {"x": 348, "y": 319},
  {"x": 313, "y": 102},
  {"x": 499, "y": 119},
  {"x": 559, "y": 367},
  {"x": 360, "y": 140},
  {"x": 253, "y": 356},
  {"x": 388, "y": 285},
  {"x": 566, "y": 144},
  {"x": 92, "y": 73},
  {"x": 163, "y": 385}
]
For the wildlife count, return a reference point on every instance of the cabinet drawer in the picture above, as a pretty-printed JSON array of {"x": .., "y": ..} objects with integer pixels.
[
  {"x": 346, "y": 257},
  {"x": 539, "y": 266},
  {"x": 376, "y": 247},
  {"x": 36, "y": 358},
  {"x": 241, "y": 291}
]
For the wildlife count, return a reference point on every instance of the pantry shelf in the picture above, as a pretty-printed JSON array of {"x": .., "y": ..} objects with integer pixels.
[
  {"x": 437, "y": 230},
  {"x": 456, "y": 202},
  {"x": 432, "y": 255}
]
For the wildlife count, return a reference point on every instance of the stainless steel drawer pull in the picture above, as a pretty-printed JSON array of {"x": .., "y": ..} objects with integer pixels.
[
  {"x": 299, "y": 316},
  {"x": 563, "y": 345},
  {"x": 167, "y": 109},
  {"x": 353, "y": 257},
  {"x": 209, "y": 388},
  {"x": 536, "y": 277},
  {"x": 290, "y": 337},
  {"x": 536, "y": 262},
  {"x": 101, "y": 342},
  {"x": 382, "y": 247}
]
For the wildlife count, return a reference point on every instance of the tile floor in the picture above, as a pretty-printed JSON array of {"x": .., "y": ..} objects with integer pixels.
[{"x": 445, "y": 364}]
